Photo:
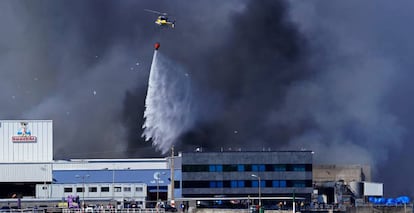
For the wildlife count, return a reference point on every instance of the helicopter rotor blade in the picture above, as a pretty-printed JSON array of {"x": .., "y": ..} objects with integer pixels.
[{"x": 156, "y": 12}]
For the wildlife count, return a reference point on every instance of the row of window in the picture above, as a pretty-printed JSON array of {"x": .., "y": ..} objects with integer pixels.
[
  {"x": 247, "y": 183},
  {"x": 247, "y": 168},
  {"x": 102, "y": 189}
]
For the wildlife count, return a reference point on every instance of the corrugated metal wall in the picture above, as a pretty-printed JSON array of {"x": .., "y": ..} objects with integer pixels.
[
  {"x": 25, "y": 172},
  {"x": 41, "y": 150}
]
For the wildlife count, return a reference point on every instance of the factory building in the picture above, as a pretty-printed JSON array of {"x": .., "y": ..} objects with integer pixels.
[
  {"x": 344, "y": 185},
  {"x": 28, "y": 171},
  {"x": 270, "y": 178}
]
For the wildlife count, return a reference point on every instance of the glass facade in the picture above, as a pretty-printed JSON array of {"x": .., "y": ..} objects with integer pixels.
[{"x": 248, "y": 168}]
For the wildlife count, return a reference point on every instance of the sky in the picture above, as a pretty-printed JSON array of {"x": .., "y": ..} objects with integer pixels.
[{"x": 328, "y": 76}]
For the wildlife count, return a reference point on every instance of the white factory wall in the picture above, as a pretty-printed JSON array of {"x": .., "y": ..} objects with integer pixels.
[
  {"x": 92, "y": 164},
  {"x": 38, "y": 150},
  {"x": 25, "y": 172}
]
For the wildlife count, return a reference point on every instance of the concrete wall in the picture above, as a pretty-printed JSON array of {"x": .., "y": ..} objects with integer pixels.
[{"x": 348, "y": 173}]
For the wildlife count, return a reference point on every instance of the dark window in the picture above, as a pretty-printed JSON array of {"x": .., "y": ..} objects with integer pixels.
[
  {"x": 298, "y": 167},
  {"x": 67, "y": 189},
  {"x": 79, "y": 189},
  {"x": 240, "y": 168},
  {"x": 195, "y": 168},
  {"x": 298, "y": 183},
  {"x": 230, "y": 168},
  {"x": 177, "y": 184},
  {"x": 117, "y": 189},
  {"x": 240, "y": 183},
  {"x": 282, "y": 183},
  {"x": 139, "y": 189},
  {"x": 93, "y": 189},
  {"x": 279, "y": 167},
  {"x": 275, "y": 183},
  {"x": 105, "y": 189},
  {"x": 127, "y": 189},
  {"x": 233, "y": 184}
]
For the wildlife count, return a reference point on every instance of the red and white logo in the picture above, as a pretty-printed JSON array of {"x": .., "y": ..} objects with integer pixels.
[{"x": 24, "y": 134}]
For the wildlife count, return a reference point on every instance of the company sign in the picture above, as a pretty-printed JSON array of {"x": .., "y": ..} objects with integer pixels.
[{"x": 24, "y": 134}]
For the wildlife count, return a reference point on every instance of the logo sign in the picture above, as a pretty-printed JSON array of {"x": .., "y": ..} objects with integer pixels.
[{"x": 24, "y": 134}]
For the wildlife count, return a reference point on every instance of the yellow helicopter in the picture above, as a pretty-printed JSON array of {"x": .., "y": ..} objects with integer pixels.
[{"x": 162, "y": 19}]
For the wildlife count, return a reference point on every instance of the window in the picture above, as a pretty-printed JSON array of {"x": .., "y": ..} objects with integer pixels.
[
  {"x": 258, "y": 168},
  {"x": 215, "y": 168},
  {"x": 280, "y": 167},
  {"x": 139, "y": 189},
  {"x": 240, "y": 183},
  {"x": 240, "y": 168},
  {"x": 275, "y": 183},
  {"x": 105, "y": 189},
  {"x": 93, "y": 189},
  {"x": 233, "y": 184},
  {"x": 67, "y": 189},
  {"x": 127, "y": 189},
  {"x": 298, "y": 183},
  {"x": 79, "y": 189},
  {"x": 282, "y": 183},
  {"x": 255, "y": 183},
  {"x": 216, "y": 184},
  {"x": 298, "y": 167},
  {"x": 117, "y": 189}
]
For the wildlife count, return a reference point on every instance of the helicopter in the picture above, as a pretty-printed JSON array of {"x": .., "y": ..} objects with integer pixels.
[{"x": 162, "y": 19}]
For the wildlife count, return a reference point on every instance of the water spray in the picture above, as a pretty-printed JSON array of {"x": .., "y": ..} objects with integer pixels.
[{"x": 168, "y": 104}]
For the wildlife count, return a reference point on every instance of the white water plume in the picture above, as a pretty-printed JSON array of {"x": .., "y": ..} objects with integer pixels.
[{"x": 168, "y": 105}]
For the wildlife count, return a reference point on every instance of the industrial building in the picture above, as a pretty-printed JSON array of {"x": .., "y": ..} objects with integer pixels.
[
  {"x": 269, "y": 177},
  {"x": 204, "y": 179}
]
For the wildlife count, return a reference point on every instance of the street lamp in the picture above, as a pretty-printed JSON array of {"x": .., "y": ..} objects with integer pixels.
[
  {"x": 260, "y": 194},
  {"x": 83, "y": 177},
  {"x": 158, "y": 185}
]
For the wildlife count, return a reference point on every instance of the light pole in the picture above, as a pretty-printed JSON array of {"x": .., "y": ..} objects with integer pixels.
[
  {"x": 83, "y": 177},
  {"x": 113, "y": 183},
  {"x": 260, "y": 194},
  {"x": 158, "y": 186}
]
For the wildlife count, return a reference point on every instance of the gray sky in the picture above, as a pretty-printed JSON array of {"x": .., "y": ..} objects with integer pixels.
[{"x": 330, "y": 76}]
